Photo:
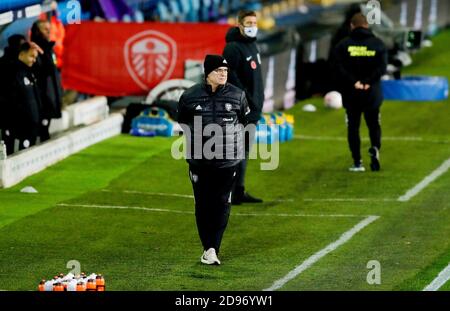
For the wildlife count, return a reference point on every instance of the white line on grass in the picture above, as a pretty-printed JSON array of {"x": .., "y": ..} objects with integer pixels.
[
  {"x": 127, "y": 207},
  {"x": 392, "y": 138},
  {"x": 322, "y": 253},
  {"x": 189, "y": 212},
  {"x": 425, "y": 182},
  {"x": 187, "y": 196},
  {"x": 440, "y": 280},
  {"x": 349, "y": 200},
  {"x": 340, "y": 138}
]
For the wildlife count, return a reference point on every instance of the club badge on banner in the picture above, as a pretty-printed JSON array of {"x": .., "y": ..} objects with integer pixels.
[{"x": 120, "y": 59}]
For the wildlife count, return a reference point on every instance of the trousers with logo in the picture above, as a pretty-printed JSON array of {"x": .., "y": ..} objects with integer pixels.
[
  {"x": 353, "y": 118},
  {"x": 212, "y": 191}
]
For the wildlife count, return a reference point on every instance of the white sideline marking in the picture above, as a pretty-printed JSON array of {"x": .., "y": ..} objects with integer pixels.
[
  {"x": 392, "y": 138},
  {"x": 349, "y": 200},
  {"x": 187, "y": 196},
  {"x": 322, "y": 253},
  {"x": 128, "y": 207},
  {"x": 440, "y": 280},
  {"x": 425, "y": 182},
  {"x": 188, "y": 212},
  {"x": 340, "y": 138}
]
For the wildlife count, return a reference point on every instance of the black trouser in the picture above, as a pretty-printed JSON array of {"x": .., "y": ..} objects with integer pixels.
[
  {"x": 44, "y": 135},
  {"x": 212, "y": 192},
  {"x": 372, "y": 117},
  {"x": 15, "y": 143}
]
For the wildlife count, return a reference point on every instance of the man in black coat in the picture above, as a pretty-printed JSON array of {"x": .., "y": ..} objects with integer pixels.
[
  {"x": 48, "y": 77},
  {"x": 360, "y": 61},
  {"x": 212, "y": 115},
  {"x": 244, "y": 60},
  {"x": 7, "y": 62},
  {"x": 24, "y": 100}
]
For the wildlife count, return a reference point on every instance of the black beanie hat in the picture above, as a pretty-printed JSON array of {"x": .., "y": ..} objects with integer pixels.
[{"x": 213, "y": 62}]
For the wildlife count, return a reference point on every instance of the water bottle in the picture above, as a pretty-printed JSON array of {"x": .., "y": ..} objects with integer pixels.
[
  {"x": 91, "y": 286},
  {"x": 100, "y": 282}
]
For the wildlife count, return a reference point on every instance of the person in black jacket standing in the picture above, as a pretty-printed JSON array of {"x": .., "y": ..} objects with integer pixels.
[
  {"x": 48, "y": 77},
  {"x": 7, "y": 64},
  {"x": 244, "y": 60},
  {"x": 212, "y": 115},
  {"x": 24, "y": 100},
  {"x": 361, "y": 61}
]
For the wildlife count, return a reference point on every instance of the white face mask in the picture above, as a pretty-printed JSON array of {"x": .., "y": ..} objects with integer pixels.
[{"x": 251, "y": 31}]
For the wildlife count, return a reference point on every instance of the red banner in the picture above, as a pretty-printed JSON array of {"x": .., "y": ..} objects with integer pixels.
[{"x": 120, "y": 59}]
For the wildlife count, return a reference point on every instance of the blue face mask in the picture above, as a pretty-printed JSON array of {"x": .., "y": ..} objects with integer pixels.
[{"x": 251, "y": 32}]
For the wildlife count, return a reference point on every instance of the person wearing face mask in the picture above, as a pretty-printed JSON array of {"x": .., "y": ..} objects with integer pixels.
[{"x": 244, "y": 61}]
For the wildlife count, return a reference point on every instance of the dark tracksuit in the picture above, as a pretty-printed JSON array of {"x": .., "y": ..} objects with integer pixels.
[
  {"x": 24, "y": 106},
  {"x": 7, "y": 62},
  {"x": 212, "y": 178},
  {"x": 244, "y": 61},
  {"x": 361, "y": 57},
  {"x": 49, "y": 82}
]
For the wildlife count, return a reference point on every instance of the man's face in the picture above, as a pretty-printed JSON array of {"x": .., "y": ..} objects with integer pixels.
[
  {"x": 248, "y": 21},
  {"x": 44, "y": 28},
  {"x": 29, "y": 57},
  {"x": 218, "y": 76}
]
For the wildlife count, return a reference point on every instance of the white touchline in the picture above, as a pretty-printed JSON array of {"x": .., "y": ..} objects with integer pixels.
[
  {"x": 322, "y": 253},
  {"x": 127, "y": 207},
  {"x": 349, "y": 200},
  {"x": 425, "y": 182},
  {"x": 187, "y": 196},
  {"x": 149, "y": 209},
  {"x": 440, "y": 280},
  {"x": 341, "y": 138},
  {"x": 393, "y": 138}
]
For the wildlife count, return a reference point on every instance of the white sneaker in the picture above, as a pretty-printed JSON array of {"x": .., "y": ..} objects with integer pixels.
[
  {"x": 357, "y": 167},
  {"x": 209, "y": 257}
]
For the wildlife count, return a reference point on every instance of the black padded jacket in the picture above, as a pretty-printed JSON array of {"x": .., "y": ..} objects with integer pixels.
[
  {"x": 244, "y": 60},
  {"x": 199, "y": 110}
]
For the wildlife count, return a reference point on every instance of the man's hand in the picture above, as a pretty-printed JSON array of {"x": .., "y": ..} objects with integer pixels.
[{"x": 359, "y": 86}]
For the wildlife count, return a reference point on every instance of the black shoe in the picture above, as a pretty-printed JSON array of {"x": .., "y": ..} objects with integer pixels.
[
  {"x": 235, "y": 200},
  {"x": 236, "y": 196},
  {"x": 374, "y": 159},
  {"x": 247, "y": 198}
]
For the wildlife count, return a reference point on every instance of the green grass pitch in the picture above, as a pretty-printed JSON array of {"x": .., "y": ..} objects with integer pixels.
[{"x": 145, "y": 249}]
